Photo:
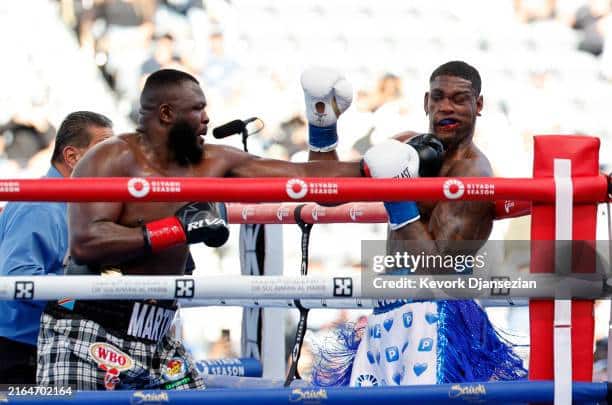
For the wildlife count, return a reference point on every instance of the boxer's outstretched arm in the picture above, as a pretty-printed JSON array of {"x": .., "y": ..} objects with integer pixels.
[
  {"x": 243, "y": 164},
  {"x": 95, "y": 236},
  {"x": 331, "y": 155}
]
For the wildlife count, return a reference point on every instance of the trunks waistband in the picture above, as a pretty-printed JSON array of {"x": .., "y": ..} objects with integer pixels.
[
  {"x": 146, "y": 321},
  {"x": 384, "y": 306}
]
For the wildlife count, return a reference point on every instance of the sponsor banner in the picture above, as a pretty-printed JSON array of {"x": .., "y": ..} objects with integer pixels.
[
  {"x": 239, "y": 367},
  {"x": 120, "y": 287},
  {"x": 272, "y": 288}
]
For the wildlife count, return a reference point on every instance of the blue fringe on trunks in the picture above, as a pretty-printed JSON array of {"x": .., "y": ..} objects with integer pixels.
[{"x": 469, "y": 348}]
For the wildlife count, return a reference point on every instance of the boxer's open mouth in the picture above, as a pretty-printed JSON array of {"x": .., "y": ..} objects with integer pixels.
[{"x": 447, "y": 124}]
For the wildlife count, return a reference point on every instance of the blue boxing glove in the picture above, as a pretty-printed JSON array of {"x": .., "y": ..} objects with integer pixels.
[
  {"x": 327, "y": 95},
  {"x": 401, "y": 213},
  {"x": 394, "y": 159}
]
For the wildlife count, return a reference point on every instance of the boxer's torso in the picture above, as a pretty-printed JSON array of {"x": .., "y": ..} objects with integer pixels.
[
  {"x": 133, "y": 161},
  {"x": 470, "y": 157}
]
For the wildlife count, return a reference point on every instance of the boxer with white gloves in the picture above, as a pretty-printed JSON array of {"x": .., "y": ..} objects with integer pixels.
[
  {"x": 408, "y": 341},
  {"x": 422, "y": 156},
  {"x": 327, "y": 95}
]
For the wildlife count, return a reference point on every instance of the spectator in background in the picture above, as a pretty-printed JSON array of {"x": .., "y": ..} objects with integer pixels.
[
  {"x": 124, "y": 42},
  {"x": 8, "y": 167},
  {"x": 34, "y": 241},
  {"x": 26, "y": 133},
  {"x": 219, "y": 68},
  {"x": 590, "y": 19},
  {"x": 163, "y": 56},
  {"x": 294, "y": 137},
  {"x": 530, "y": 11},
  {"x": 600, "y": 368},
  {"x": 181, "y": 6},
  {"x": 389, "y": 88},
  {"x": 222, "y": 348}
]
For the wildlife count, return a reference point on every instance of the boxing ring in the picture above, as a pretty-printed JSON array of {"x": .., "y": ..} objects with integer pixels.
[{"x": 561, "y": 191}]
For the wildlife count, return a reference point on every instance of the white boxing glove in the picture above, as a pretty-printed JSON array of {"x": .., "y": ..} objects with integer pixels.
[
  {"x": 327, "y": 94},
  {"x": 394, "y": 159},
  {"x": 391, "y": 159}
]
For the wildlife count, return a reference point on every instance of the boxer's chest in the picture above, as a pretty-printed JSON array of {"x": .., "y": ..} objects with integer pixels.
[{"x": 167, "y": 179}]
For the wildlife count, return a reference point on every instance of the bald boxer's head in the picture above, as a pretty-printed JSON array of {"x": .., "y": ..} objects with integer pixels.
[
  {"x": 453, "y": 102},
  {"x": 172, "y": 105},
  {"x": 78, "y": 132}
]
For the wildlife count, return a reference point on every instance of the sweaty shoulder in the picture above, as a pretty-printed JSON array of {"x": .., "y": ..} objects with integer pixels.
[
  {"x": 472, "y": 163},
  {"x": 108, "y": 158},
  {"x": 228, "y": 154}
]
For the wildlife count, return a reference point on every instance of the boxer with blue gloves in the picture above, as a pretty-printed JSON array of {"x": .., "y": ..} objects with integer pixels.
[
  {"x": 421, "y": 156},
  {"x": 327, "y": 95},
  {"x": 411, "y": 342}
]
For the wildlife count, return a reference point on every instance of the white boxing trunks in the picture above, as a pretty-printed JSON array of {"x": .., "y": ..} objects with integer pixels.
[{"x": 418, "y": 342}]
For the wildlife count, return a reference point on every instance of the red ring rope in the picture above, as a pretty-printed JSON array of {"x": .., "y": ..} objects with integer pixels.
[
  {"x": 367, "y": 212},
  {"x": 587, "y": 189}
]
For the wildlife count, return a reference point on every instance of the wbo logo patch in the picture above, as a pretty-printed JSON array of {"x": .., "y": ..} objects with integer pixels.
[
  {"x": 110, "y": 356},
  {"x": 112, "y": 360}
]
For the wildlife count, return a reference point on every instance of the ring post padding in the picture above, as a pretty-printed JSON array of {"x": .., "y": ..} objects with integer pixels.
[{"x": 583, "y": 153}]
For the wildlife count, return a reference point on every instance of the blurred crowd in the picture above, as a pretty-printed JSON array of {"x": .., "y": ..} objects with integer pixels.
[{"x": 546, "y": 68}]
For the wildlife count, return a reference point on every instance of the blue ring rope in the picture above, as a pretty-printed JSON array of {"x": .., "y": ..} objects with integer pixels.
[{"x": 490, "y": 392}]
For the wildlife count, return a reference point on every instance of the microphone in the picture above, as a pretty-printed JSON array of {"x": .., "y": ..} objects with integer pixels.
[{"x": 232, "y": 127}]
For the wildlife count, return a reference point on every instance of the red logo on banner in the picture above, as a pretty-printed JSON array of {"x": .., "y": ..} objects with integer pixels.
[
  {"x": 355, "y": 213},
  {"x": 282, "y": 212},
  {"x": 246, "y": 211},
  {"x": 296, "y": 189},
  {"x": 316, "y": 212},
  {"x": 453, "y": 189},
  {"x": 138, "y": 187}
]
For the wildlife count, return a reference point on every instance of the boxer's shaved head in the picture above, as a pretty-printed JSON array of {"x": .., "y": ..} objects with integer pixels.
[
  {"x": 163, "y": 86},
  {"x": 459, "y": 69}
]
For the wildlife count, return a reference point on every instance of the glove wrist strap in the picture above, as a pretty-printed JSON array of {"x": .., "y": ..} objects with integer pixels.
[
  {"x": 164, "y": 233},
  {"x": 402, "y": 213},
  {"x": 322, "y": 139}
]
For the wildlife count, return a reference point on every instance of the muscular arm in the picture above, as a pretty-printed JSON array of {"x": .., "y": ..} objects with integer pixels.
[
  {"x": 332, "y": 155},
  {"x": 95, "y": 235},
  {"x": 243, "y": 164},
  {"x": 449, "y": 221}
]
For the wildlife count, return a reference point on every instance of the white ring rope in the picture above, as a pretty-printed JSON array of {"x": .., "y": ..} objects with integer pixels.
[
  {"x": 278, "y": 287},
  {"x": 331, "y": 303}
]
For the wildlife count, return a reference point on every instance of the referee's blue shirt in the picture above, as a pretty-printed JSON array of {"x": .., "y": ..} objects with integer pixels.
[{"x": 33, "y": 241}]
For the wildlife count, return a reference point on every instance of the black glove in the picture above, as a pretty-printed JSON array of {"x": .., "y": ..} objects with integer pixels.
[
  {"x": 193, "y": 223},
  {"x": 431, "y": 154},
  {"x": 203, "y": 223}
]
